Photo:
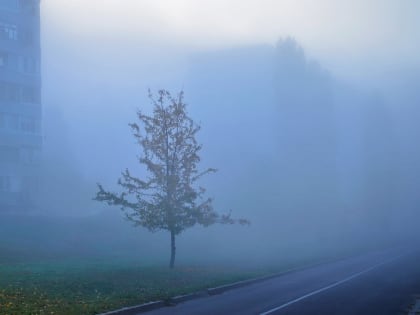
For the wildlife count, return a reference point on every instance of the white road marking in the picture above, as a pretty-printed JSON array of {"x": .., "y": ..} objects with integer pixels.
[{"x": 330, "y": 286}]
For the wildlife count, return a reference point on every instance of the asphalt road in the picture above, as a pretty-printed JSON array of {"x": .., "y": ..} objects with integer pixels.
[{"x": 379, "y": 283}]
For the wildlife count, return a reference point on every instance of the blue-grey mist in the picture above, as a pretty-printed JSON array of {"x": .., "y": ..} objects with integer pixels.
[{"x": 320, "y": 163}]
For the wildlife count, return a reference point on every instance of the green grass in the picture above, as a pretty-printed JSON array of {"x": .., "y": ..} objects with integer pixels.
[
  {"x": 91, "y": 286},
  {"x": 77, "y": 288},
  {"x": 46, "y": 269}
]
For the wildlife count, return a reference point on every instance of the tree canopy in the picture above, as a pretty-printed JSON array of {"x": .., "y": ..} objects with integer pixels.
[{"x": 169, "y": 198}]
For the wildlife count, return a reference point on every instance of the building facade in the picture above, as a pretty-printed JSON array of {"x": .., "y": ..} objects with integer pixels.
[{"x": 20, "y": 102}]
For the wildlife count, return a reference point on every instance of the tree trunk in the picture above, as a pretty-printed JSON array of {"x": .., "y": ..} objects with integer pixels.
[{"x": 173, "y": 250}]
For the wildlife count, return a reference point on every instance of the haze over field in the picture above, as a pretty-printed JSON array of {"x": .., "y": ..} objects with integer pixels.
[{"x": 309, "y": 110}]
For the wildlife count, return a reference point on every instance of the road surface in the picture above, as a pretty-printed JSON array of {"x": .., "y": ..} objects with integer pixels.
[{"x": 378, "y": 283}]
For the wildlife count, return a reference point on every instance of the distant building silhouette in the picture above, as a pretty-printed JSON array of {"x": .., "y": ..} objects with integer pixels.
[{"x": 20, "y": 102}]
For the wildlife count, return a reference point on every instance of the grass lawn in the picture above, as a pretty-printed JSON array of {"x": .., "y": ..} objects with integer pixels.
[
  {"x": 43, "y": 269},
  {"x": 80, "y": 288}
]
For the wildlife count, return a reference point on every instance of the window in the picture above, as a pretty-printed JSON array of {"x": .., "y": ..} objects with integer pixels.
[
  {"x": 30, "y": 7},
  {"x": 29, "y": 65},
  {"x": 2, "y": 120},
  {"x": 27, "y": 155},
  {"x": 8, "y": 31},
  {"x": 9, "y": 61},
  {"x": 9, "y": 154},
  {"x": 28, "y": 38},
  {"x": 4, "y": 57},
  {"x": 30, "y": 95},
  {"x": 9, "y": 4},
  {"x": 5, "y": 183},
  {"x": 30, "y": 125},
  {"x": 9, "y": 92},
  {"x": 12, "y": 122},
  {"x": 15, "y": 123},
  {"x": 15, "y": 184}
]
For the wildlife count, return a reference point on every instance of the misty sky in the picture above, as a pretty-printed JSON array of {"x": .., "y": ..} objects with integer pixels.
[
  {"x": 111, "y": 51},
  {"x": 346, "y": 36},
  {"x": 323, "y": 106}
]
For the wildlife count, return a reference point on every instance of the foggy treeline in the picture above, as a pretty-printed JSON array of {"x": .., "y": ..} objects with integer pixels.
[{"x": 315, "y": 162}]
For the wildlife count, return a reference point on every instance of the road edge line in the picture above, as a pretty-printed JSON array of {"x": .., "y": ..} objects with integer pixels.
[{"x": 146, "y": 307}]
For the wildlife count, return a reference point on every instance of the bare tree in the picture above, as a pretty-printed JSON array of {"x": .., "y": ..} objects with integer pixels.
[{"x": 169, "y": 198}]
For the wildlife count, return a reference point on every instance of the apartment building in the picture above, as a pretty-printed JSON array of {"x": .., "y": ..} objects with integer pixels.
[{"x": 20, "y": 102}]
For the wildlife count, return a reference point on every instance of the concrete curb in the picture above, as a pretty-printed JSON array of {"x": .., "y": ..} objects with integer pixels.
[
  {"x": 142, "y": 308},
  {"x": 187, "y": 297},
  {"x": 211, "y": 291},
  {"x": 243, "y": 283}
]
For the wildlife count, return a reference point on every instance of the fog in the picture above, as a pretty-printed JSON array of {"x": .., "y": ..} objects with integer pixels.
[{"x": 308, "y": 111}]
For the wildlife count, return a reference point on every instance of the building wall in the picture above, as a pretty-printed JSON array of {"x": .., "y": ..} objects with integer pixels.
[{"x": 20, "y": 101}]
